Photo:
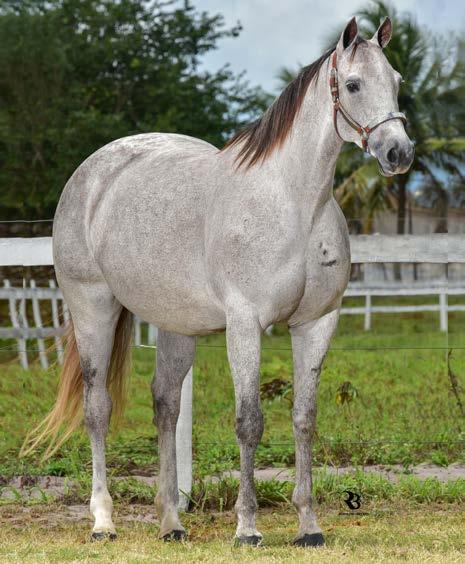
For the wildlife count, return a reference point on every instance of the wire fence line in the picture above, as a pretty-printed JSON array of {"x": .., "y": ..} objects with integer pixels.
[{"x": 349, "y": 442}]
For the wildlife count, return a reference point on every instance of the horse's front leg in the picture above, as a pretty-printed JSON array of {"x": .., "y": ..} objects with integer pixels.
[
  {"x": 175, "y": 354},
  {"x": 243, "y": 335},
  {"x": 310, "y": 343}
]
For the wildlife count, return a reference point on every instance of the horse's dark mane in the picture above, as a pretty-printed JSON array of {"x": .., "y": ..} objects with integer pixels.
[{"x": 269, "y": 132}]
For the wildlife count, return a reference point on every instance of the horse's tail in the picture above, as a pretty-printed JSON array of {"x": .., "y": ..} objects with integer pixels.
[{"x": 67, "y": 413}]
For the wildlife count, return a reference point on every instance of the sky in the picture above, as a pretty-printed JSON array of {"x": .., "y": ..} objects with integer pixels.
[{"x": 281, "y": 33}]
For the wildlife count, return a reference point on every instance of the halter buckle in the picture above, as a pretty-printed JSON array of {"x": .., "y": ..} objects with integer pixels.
[{"x": 333, "y": 83}]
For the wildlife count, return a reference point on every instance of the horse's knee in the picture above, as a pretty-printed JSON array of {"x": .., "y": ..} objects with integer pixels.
[
  {"x": 166, "y": 403},
  {"x": 249, "y": 424}
]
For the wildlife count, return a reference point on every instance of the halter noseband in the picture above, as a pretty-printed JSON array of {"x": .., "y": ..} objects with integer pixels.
[{"x": 364, "y": 132}]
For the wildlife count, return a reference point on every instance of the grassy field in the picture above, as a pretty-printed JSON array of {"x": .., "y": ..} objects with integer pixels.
[
  {"x": 402, "y": 409},
  {"x": 399, "y": 409}
]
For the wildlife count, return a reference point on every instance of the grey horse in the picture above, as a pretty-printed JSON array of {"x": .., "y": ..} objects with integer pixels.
[{"x": 198, "y": 240}]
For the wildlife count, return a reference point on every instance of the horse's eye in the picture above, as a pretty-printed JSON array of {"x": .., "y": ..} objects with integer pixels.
[{"x": 353, "y": 86}]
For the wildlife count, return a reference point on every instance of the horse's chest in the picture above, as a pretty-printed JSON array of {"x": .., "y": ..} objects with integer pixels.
[{"x": 327, "y": 270}]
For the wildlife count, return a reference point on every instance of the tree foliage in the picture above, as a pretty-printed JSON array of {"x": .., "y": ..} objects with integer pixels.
[{"x": 77, "y": 74}]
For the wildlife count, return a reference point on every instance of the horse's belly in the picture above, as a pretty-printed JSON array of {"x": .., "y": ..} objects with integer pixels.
[
  {"x": 186, "y": 317},
  {"x": 174, "y": 300}
]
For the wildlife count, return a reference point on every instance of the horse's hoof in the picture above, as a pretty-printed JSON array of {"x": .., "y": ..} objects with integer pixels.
[
  {"x": 315, "y": 539},
  {"x": 252, "y": 540},
  {"x": 176, "y": 535},
  {"x": 98, "y": 536}
]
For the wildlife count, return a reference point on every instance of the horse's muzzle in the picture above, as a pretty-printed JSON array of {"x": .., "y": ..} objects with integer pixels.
[{"x": 397, "y": 159}]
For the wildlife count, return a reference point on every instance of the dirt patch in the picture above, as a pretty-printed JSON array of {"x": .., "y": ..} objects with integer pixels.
[
  {"x": 35, "y": 487},
  {"x": 17, "y": 516},
  {"x": 392, "y": 472}
]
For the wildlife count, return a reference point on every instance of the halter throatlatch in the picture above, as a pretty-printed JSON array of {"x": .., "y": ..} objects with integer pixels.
[{"x": 364, "y": 132}]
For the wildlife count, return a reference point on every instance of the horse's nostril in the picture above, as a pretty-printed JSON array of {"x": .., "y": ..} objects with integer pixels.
[{"x": 393, "y": 156}]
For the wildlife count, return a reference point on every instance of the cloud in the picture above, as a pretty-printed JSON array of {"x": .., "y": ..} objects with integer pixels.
[{"x": 284, "y": 33}]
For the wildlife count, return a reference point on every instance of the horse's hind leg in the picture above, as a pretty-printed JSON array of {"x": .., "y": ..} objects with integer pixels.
[
  {"x": 310, "y": 343},
  {"x": 95, "y": 313},
  {"x": 175, "y": 355}
]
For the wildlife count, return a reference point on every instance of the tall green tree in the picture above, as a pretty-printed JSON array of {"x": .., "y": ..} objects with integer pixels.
[
  {"x": 432, "y": 97},
  {"x": 76, "y": 74}
]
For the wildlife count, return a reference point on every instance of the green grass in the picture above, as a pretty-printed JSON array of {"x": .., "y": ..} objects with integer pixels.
[{"x": 403, "y": 411}]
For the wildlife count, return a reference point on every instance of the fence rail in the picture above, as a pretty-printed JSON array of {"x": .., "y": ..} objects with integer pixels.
[
  {"x": 441, "y": 289},
  {"x": 21, "y": 329}
]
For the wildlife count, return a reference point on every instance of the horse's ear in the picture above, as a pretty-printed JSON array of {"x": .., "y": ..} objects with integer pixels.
[
  {"x": 383, "y": 34},
  {"x": 348, "y": 35}
]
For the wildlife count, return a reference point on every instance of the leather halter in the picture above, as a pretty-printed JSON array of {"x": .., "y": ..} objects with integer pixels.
[{"x": 364, "y": 132}]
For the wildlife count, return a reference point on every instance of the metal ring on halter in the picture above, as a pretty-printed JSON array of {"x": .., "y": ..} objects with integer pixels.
[{"x": 364, "y": 132}]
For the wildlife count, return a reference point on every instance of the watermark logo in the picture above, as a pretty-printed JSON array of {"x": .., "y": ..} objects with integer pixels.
[{"x": 353, "y": 500}]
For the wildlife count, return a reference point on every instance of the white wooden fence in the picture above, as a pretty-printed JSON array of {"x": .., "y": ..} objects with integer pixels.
[
  {"x": 145, "y": 334},
  {"x": 21, "y": 329},
  {"x": 437, "y": 248},
  {"x": 442, "y": 289}
]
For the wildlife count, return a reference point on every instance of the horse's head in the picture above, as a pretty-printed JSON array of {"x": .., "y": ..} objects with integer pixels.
[{"x": 364, "y": 87}]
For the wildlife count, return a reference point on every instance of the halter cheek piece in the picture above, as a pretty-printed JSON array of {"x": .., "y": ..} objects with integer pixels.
[{"x": 364, "y": 132}]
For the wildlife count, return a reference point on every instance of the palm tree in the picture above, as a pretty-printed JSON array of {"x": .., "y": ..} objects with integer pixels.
[{"x": 432, "y": 98}]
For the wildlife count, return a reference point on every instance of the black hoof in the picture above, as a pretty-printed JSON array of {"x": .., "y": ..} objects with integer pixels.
[
  {"x": 253, "y": 540},
  {"x": 315, "y": 539},
  {"x": 103, "y": 536},
  {"x": 177, "y": 535}
]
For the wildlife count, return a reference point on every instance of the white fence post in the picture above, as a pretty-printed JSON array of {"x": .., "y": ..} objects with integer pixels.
[
  {"x": 38, "y": 324},
  {"x": 22, "y": 352},
  {"x": 22, "y": 314},
  {"x": 443, "y": 313},
  {"x": 367, "y": 325},
  {"x": 184, "y": 443},
  {"x": 137, "y": 332},
  {"x": 56, "y": 322},
  {"x": 152, "y": 334}
]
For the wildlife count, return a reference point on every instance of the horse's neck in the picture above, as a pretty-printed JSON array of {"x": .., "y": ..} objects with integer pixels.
[{"x": 307, "y": 159}]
